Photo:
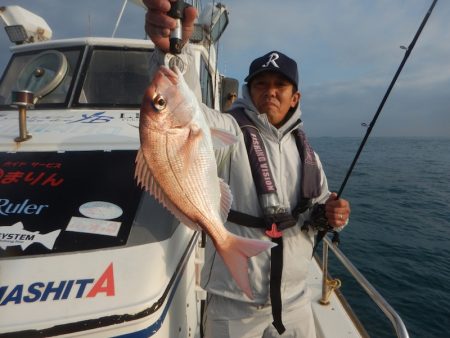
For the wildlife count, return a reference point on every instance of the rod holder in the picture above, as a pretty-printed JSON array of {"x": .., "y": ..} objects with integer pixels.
[{"x": 22, "y": 100}]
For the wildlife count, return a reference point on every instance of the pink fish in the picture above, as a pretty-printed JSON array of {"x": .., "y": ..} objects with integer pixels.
[{"x": 176, "y": 165}]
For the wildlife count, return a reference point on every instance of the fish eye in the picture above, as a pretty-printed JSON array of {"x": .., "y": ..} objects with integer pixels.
[{"x": 159, "y": 102}]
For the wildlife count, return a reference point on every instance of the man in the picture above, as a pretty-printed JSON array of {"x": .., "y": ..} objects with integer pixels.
[{"x": 271, "y": 199}]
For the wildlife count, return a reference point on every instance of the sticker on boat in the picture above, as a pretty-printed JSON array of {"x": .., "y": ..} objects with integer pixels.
[
  {"x": 16, "y": 235},
  {"x": 101, "y": 210},
  {"x": 94, "y": 226}
]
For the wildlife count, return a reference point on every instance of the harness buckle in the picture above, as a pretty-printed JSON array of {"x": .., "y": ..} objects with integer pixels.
[{"x": 274, "y": 232}]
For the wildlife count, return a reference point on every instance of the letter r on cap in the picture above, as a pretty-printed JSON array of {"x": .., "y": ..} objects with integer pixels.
[{"x": 272, "y": 58}]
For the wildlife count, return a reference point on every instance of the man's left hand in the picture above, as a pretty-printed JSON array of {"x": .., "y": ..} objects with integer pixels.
[{"x": 337, "y": 211}]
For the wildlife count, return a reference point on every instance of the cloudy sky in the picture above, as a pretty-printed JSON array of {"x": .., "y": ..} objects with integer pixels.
[{"x": 347, "y": 50}]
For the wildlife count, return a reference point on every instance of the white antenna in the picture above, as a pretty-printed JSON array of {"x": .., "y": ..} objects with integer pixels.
[
  {"x": 119, "y": 18},
  {"x": 197, "y": 4},
  {"x": 89, "y": 25}
]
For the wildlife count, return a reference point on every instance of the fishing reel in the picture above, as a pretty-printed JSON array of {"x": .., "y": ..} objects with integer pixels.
[{"x": 318, "y": 221}]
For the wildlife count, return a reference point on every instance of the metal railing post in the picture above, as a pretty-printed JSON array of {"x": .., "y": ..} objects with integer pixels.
[
  {"x": 390, "y": 313},
  {"x": 324, "y": 300}
]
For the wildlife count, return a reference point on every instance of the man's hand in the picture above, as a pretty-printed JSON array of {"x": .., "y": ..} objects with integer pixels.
[
  {"x": 158, "y": 24},
  {"x": 337, "y": 211}
]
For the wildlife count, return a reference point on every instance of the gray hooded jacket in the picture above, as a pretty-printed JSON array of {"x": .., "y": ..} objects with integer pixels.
[{"x": 234, "y": 168}]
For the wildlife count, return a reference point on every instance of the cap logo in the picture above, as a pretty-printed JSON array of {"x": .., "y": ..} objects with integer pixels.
[{"x": 272, "y": 58}]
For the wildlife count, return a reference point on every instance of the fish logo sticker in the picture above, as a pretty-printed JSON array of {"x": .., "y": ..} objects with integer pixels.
[{"x": 16, "y": 235}]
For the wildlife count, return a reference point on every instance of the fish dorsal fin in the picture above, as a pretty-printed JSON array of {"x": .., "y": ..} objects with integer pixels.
[
  {"x": 226, "y": 199},
  {"x": 222, "y": 138},
  {"x": 17, "y": 226},
  {"x": 146, "y": 180}
]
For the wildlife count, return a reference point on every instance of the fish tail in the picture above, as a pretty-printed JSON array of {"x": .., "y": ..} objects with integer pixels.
[
  {"x": 48, "y": 240},
  {"x": 235, "y": 253}
]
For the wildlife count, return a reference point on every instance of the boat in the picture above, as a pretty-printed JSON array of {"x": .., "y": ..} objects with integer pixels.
[{"x": 84, "y": 252}]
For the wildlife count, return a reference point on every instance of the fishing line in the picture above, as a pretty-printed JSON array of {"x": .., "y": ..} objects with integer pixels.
[
  {"x": 209, "y": 61},
  {"x": 386, "y": 95}
]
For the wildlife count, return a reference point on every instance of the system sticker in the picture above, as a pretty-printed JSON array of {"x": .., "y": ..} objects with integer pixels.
[{"x": 16, "y": 235}]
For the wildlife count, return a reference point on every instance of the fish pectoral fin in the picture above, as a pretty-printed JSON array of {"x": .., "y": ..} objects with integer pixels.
[
  {"x": 189, "y": 149},
  {"x": 195, "y": 133},
  {"x": 222, "y": 138},
  {"x": 226, "y": 199}
]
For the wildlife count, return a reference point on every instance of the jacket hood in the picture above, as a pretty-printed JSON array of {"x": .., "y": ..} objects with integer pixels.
[{"x": 261, "y": 120}]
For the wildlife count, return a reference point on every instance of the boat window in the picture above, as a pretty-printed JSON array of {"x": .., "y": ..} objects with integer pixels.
[
  {"x": 115, "y": 77},
  {"x": 206, "y": 84},
  {"x": 48, "y": 75}
]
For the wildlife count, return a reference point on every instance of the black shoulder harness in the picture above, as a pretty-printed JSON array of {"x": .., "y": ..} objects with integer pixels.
[{"x": 263, "y": 178}]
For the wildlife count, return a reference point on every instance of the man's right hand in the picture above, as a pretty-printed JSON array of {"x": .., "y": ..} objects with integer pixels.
[{"x": 158, "y": 24}]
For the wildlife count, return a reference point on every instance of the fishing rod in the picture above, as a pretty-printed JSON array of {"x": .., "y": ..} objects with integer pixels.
[
  {"x": 318, "y": 218},
  {"x": 386, "y": 95}
]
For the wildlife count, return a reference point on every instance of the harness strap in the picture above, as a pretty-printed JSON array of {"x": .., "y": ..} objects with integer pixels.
[
  {"x": 276, "y": 271},
  {"x": 310, "y": 175},
  {"x": 274, "y": 224},
  {"x": 257, "y": 155},
  {"x": 246, "y": 219},
  {"x": 283, "y": 221}
]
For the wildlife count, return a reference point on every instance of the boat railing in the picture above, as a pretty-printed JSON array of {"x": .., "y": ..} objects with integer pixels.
[{"x": 387, "y": 309}]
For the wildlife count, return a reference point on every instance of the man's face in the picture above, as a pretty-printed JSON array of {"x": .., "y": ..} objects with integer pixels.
[{"x": 273, "y": 95}]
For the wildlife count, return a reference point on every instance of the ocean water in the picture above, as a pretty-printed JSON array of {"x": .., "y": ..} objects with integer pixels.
[{"x": 399, "y": 230}]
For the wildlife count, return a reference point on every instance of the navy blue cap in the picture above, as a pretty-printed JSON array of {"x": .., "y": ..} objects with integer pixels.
[{"x": 274, "y": 62}]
